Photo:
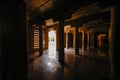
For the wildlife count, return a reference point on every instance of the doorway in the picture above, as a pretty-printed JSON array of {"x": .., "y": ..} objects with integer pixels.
[
  {"x": 101, "y": 40},
  {"x": 52, "y": 44}
]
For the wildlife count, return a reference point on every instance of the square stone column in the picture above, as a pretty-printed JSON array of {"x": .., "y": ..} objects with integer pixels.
[
  {"x": 67, "y": 40},
  {"x": 13, "y": 41},
  {"x": 88, "y": 40},
  {"x": 46, "y": 39},
  {"x": 76, "y": 41},
  {"x": 40, "y": 41},
  {"x": 114, "y": 42},
  {"x": 83, "y": 40},
  {"x": 61, "y": 41}
]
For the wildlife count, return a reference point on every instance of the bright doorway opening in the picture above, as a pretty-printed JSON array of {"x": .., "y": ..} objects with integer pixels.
[{"x": 52, "y": 44}]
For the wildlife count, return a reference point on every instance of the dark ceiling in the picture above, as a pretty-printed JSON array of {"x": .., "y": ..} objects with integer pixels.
[{"x": 44, "y": 9}]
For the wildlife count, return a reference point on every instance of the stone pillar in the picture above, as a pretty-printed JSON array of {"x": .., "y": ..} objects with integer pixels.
[
  {"x": 88, "y": 40},
  {"x": 61, "y": 41},
  {"x": 57, "y": 39},
  {"x": 40, "y": 41},
  {"x": 30, "y": 38},
  {"x": 83, "y": 45},
  {"x": 76, "y": 41},
  {"x": 110, "y": 42},
  {"x": 13, "y": 58},
  {"x": 115, "y": 42},
  {"x": 67, "y": 40},
  {"x": 46, "y": 38},
  {"x": 0, "y": 46},
  {"x": 74, "y": 38},
  {"x": 91, "y": 39}
]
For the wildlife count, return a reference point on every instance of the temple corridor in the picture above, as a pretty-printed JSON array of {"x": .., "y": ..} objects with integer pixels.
[{"x": 59, "y": 40}]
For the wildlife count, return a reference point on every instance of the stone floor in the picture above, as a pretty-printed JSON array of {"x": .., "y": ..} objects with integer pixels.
[{"x": 77, "y": 67}]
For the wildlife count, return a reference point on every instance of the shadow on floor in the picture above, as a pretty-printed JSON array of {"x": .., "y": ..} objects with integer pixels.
[{"x": 76, "y": 68}]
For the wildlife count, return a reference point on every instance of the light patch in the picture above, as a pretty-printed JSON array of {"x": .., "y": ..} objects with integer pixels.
[
  {"x": 49, "y": 22},
  {"x": 52, "y": 44},
  {"x": 47, "y": 6},
  {"x": 49, "y": 63}
]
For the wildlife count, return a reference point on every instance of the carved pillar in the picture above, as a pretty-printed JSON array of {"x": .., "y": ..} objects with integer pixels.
[
  {"x": 114, "y": 42},
  {"x": 83, "y": 45},
  {"x": 74, "y": 37},
  {"x": 91, "y": 39},
  {"x": 110, "y": 42},
  {"x": 76, "y": 41},
  {"x": 88, "y": 40},
  {"x": 30, "y": 38},
  {"x": 13, "y": 54},
  {"x": 40, "y": 41},
  {"x": 61, "y": 41},
  {"x": 67, "y": 40},
  {"x": 57, "y": 39},
  {"x": 46, "y": 39}
]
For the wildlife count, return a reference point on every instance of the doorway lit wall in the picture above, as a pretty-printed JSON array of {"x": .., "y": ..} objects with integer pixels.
[{"x": 52, "y": 44}]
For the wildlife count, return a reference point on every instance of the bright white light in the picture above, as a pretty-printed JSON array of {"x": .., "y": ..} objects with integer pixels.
[
  {"x": 49, "y": 63},
  {"x": 52, "y": 44}
]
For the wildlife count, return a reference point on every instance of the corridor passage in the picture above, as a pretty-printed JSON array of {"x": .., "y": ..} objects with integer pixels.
[{"x": 77, "y": 67}]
